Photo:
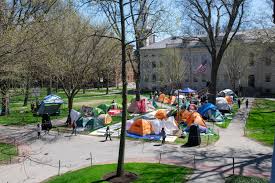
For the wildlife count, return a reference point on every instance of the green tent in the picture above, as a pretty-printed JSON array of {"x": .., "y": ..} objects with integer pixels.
[
  {"x": 104, "y": 107},
  {"x": 98, "y": 111},
  {"x": 89, "y": 122}
]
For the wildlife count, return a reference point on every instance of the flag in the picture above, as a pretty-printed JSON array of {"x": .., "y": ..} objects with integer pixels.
[{"x": 202, "y": 67}]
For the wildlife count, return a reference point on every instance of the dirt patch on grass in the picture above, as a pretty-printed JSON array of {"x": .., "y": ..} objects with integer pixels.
[
  {"x": 91, "y": 102},
  {"x": 126, "y": 178}
]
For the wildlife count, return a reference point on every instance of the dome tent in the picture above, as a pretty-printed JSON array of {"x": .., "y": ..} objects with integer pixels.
[
  {"x": 222, "y": 104},
  {"x": 211, "y": 112},
  {"x": 50, "y": 105},
  {"x": 141, "y": 127}
]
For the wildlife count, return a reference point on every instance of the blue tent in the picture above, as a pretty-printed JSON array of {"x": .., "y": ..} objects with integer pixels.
[
  {"x": 204, "y": 108},
  {"x": 210, "y": 111},
  {"x": 50, "y": 105},
  {"x": 187, "y": 90}
]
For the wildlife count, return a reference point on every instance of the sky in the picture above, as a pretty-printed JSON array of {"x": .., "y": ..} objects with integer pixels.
[{"x": 259, "y": 10}]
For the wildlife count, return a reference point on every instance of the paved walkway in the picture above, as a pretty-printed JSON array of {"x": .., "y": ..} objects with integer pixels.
[{"x": 39, "y": 158}]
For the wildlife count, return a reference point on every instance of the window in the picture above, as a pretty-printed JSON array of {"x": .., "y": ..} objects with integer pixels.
[
  {"x": 251, "y": 59},
  {"x": 251, "y": 80},
  {"x": 154, "y": 78},
  {"x": 268, "y": 77},
  {"x": 267, "y": 90},
  {"x": 154, "y": 64},
  {"x": 267, "y": 62},
  {"x": 195, "y": 79}
]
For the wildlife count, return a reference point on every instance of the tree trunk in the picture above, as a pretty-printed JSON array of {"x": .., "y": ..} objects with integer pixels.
[
  {"x": 27, "y": 92},
  {"x": 49, "y": 89},
  {"x": 120, "y": 163},
  {"x": 213, "y": 84},
  {"x": 107, "y": 84},
  {"x": 5, "y": 104},
  {"x": 70, "y": 107},
  {"x": 84, "y": 90},
  {"x": 137, "y": 78},
  {"x": 56, "y": 87}
]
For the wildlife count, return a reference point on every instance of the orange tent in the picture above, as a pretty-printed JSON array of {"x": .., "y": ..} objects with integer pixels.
[
  {"x": 184, "y": 114},
  {"x": 195, "y": 117},
  {"x": 166, "y": 100},
  {"x": 161, "y": 97},
  {"x": 105, "y": 118},
  {"x": 161, "y": 114},
  {"x": 172, "y": 100},
  {"x": 141, "y": 127},
  {"x": 229, "y": 100}
]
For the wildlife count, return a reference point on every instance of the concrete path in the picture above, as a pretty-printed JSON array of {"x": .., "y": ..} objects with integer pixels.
[{"x": 39, "y": 158}]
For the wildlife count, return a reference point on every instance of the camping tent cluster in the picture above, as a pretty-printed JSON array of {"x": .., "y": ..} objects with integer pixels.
[
  {"x": 95, "y": 117},
  {"x": 173, "y": 120}
]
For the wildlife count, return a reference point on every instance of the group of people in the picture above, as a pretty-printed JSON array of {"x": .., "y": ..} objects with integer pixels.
[
  {"x": 246, "y": 103},
  {"x": 46, "y": 125}
]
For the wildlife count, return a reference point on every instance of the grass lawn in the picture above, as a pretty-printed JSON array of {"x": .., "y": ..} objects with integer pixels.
[
  {"x": 21, "y": 115},
  {"x": 226, "y": 123},
  {"x": 243, "y": 179},
  {"x": 7, "y": 151},
  {"x": 261, "y": 121},
  {"x": 147, "y": 172}
]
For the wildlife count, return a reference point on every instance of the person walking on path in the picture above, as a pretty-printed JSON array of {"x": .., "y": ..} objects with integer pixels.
[
  {"x": 246, "y": 103},
  {"x": 239, "y": 103},
  {"x": 38, "y": 128},
  {"x": 74, "y": 128},
  {"x": 163, "y": 135},
  {"x": 108, "y": 133}
]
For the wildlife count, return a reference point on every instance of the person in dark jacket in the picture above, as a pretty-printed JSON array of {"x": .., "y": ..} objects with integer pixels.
[
  {"x": 246, "y": 103},
  {"x": 108, "y": 133},
  {"x": 163, "y": 135},
  {"x": 239, "y": 103}
]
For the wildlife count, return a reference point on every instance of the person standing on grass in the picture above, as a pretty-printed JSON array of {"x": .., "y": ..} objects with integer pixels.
[
  {"x": 246, "y": 103},
  {"x": 38, "y": 128},
  {"x": 163, "y": 135},
  {"x": 74, "y": 128},
  {"x": 239, "y": 103},
  {"x": 108, "y": 133}
]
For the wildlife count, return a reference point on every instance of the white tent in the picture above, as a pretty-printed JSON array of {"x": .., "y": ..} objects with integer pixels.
[
  {"x": 169, "y": 125},
  {"x": 222, "y": 104},
  {"x": 74, "y": 115}
]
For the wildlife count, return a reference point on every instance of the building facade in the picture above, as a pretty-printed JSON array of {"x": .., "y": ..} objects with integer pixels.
[{"x": 183, "y": 62}]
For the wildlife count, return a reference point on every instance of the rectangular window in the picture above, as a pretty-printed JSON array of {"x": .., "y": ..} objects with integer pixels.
[
  {"x": 267, "y": 62},
  {"x": 268, "y": 77}
]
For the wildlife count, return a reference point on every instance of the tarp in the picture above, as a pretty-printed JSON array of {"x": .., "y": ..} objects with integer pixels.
[
  {"x": 149, "y": 137},
  {"x": 52, "y": 99},
  {"x": 187, "y": 90}
]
